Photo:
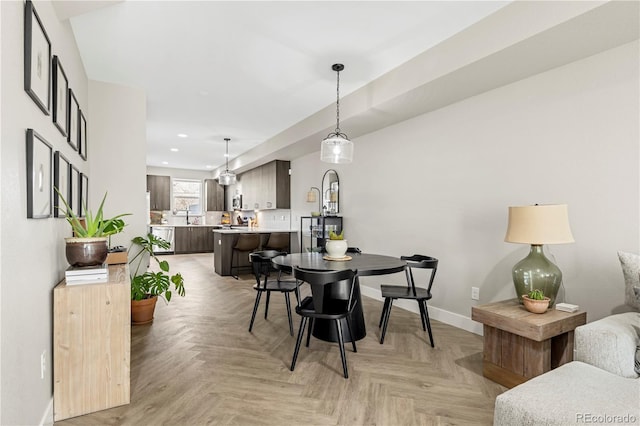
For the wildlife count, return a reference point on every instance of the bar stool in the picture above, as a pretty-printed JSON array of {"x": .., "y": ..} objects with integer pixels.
[
  {"x": 246, "y": 244},
  {"x": 278, "y": 241}
]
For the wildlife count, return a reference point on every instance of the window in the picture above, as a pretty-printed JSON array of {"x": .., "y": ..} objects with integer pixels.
[{"x": 187, "y": 195}]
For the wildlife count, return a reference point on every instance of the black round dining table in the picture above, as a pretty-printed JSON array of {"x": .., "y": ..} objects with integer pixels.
[{"x": 366, "y": 264}]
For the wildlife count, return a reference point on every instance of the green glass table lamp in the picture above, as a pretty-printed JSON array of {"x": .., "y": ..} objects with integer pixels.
[{"x": 538, "y": 225}]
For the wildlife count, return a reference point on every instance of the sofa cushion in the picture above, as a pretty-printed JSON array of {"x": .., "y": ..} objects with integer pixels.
[
  {"x": 610, "y": 343},
  {"x": 574, "y": 393},
  {"x": 631, "y": 270}
]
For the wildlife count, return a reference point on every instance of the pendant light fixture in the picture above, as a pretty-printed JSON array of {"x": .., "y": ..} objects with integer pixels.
[
  {"x": 227, "y": 177},
  {"x": 336, "y": 147}
]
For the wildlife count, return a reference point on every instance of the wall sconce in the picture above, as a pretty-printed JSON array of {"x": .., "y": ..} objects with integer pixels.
[{"x": 311, "y": 198}]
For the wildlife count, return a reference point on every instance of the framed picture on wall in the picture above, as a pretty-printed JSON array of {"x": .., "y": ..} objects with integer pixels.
[
  {"x": 72, "y": 121},
  {"x": 82, "y": 145},
  {"x": 39, "y": 188},
  {"x": 60, "y": 97},
  {"x": 74, "y": 190},
  {"x": 61, "y": 181},
  {"x": 84, "y": 193},
  {"x": 37, "y": 59}
]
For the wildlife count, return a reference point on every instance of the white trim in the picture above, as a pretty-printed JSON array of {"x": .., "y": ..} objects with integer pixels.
[
  {"x": 47, "y": 416},
  {"x": 438, "y": 314}
]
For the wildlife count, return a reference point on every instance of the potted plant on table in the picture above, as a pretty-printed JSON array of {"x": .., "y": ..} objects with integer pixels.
[
  {"x": 336, "y": 246},
  {"x": 89, "y": 245},
  {"x": 146, "y": 285},
  {"x": 536, "y": 301}
]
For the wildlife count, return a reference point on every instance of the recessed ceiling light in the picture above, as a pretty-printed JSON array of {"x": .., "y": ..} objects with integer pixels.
[
  {"x": 182, "y": 135},
  {"x": 165, "y": 162},
  {"x": 226, "y": 155},
  {"x": 174, "y": 150},
  {"x": 209, "y": 166}
]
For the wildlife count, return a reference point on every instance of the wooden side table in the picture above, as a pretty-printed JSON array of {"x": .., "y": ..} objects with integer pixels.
[{"x": 519, "y": 345}]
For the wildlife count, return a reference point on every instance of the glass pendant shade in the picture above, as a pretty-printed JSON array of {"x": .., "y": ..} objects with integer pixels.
[
  {"x": 538, "y": 225},
  {"x": 227, "y": 177},
  {"x": 336, "y": 148}
]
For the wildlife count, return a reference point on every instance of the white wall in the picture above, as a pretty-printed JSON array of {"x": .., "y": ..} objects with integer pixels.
[
  {"x": 33, "y": 258},
  {"x": 440, "y": 184},
  {"x": 117, "y": 154}
]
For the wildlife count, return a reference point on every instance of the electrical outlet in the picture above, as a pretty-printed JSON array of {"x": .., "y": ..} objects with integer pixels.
[
  {"x": 43, "y": 363},
  {"x": 475, "y": 293}
]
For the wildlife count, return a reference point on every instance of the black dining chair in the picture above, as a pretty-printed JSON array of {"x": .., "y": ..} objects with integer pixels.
[
  {"x": 332, "y": 299},
  {"x": 410, "y": 291},
  {"x": 263, "y": 270}
]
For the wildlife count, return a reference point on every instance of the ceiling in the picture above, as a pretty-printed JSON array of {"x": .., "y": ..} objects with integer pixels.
[{"x": 249, "y": 70}]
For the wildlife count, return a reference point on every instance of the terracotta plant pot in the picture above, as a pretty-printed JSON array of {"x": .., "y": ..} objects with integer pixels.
[
  {"x": 142, "y": 310},
  {"x": 535, "y": 306},
  {"x": 86, "y": 251}
]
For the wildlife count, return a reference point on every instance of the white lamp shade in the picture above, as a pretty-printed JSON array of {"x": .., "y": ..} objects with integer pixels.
[
  {"x": 539, "y": 224},
  {"x": 336, "y": 149}
]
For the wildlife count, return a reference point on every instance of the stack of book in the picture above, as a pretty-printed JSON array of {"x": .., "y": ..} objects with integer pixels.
[{"x": 87, "y": 274}]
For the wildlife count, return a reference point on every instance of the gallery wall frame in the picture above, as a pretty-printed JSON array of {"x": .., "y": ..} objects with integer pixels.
[
  {"x": 84, "y": 193},
  {"x": 37, "y": 59},
  {"x": 61, "y": 181},
  {"x": 60, "y": 97},
  {"x": 74, "y": 189},
  {"x": 39, "y": 176},
  {"x": 82, "y": 143},
  {"x": 72, "y": 121}
]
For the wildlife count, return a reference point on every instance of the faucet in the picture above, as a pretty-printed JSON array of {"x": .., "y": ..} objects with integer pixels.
[{"x": 188, "y": 217}]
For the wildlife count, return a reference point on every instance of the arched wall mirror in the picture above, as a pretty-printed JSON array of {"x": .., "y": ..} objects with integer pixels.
[{"x": 331, "y": 192}]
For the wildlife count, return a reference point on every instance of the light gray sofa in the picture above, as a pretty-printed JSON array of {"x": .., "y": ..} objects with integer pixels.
[{"x": 600, "y": 386}]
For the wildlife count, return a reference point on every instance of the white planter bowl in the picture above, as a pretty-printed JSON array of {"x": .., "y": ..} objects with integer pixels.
[{"x": 336, "y": 248}]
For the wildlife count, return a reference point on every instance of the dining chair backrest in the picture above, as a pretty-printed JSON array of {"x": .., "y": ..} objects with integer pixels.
[
  {"x": 419, "y": 261},
  {"x": 322, "y": 287},
  {"x": 262, "y": 265}
]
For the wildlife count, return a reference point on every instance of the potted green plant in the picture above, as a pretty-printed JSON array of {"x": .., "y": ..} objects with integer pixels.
[
  {"x": 147, "y": 285},
  {"x": 89, "y": 244},
  {"x": 535, "y": 301},
  {"x": 336, "y": 245}
]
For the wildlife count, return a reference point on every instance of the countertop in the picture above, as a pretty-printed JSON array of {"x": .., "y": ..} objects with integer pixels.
[
  {"x": 234, "y": 230},
  {"x": 245, "y": 230}
]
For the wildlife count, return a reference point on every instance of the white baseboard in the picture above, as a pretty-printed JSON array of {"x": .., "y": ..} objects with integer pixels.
[
  {"x": 437, "y": 314},
  {"x": 47, "y": 417}
]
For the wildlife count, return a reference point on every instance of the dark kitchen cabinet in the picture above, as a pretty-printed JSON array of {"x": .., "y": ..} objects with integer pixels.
[
  {"x": 214, "y": 195},
  {"x": 159, "y": 188},
  {"x": 193, "y": 239},
  {"x": 267, "y": 187}
]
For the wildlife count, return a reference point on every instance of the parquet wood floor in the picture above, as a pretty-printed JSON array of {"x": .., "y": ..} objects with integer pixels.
[{"x": 197, "y": 364}]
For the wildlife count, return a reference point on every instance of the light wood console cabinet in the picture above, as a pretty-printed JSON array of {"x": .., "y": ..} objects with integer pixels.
[{"x": 92, "y": 345}]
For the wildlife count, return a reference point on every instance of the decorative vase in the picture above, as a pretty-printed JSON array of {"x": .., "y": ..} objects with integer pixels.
[
  {"x": 336, "y": 248},
  {"x": 536, "y": 271},
  {"x": 534, "y": 305},
  {"x": 142, "y": 310},
  {"x": 86, "y": 251}
]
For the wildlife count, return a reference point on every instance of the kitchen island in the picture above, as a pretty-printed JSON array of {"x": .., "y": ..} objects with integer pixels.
[{"x": 225, "y": 239}]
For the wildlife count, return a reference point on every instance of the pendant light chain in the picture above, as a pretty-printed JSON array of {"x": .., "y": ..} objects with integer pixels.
[
  {"x": 338, "y": 103},
  {"x": 227, "y": 156}
]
